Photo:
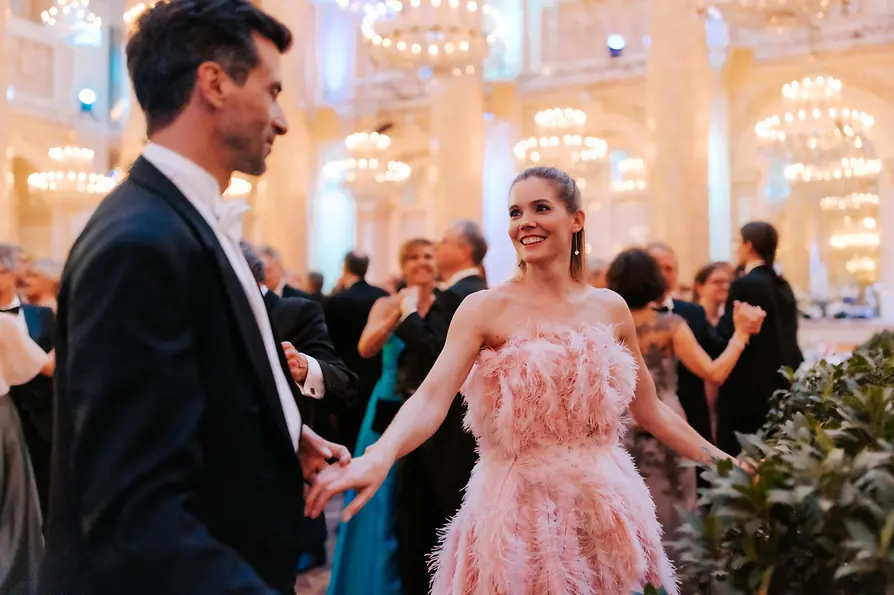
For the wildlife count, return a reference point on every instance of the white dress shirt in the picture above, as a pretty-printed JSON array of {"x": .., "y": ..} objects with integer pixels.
[
  {"x": 313, "y": 386},
  {"x": 21, "y": 359},
  {"x": 224, "y": 217},
  {"x": 20, "y": 317}
]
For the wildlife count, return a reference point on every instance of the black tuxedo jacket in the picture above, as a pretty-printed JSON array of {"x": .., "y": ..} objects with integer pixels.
[
  {"x": 743, "y": 400},
  {"x": 450, "y": 452},
  {"x": 174, "y": 471},
  {"x": 346, "y": 315},
  {"x": 301, "y": 322},
  {"x": 691, "y": 388}
]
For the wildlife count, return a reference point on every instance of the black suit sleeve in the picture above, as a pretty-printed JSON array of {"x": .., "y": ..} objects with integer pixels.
[
  {"x": 427, "y": 336},
  {"x": 137, "y": 399},
  {"x": 310, "y": 336}
]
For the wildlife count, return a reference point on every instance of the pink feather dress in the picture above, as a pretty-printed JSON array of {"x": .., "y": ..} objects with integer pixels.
[{"x": 555, "y": 505}]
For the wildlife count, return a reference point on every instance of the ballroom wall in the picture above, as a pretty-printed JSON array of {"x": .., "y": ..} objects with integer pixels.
[{"x": 683, "y": 96}]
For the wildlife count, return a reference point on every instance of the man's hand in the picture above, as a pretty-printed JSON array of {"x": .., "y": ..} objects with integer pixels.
[
  {"x": 365, "y": 474},
  {"x": 314, "y": 454},
  {"x": 297, "y": 362}
]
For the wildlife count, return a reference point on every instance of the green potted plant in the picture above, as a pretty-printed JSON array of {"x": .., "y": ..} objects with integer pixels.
[{"x": 818, "y": 516}]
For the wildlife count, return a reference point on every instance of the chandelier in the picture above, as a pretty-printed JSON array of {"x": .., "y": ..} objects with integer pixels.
[
  {"x": 74, "y": 174},
  {"x": 633, "y": 176},
  {"x": 766, "y": 14},
  {"x": 848, "y": 168},
  {"x": 561, "y": 141},
  {"x": 814, "y": 125},
  {"x": 448, "y": 36},
  {"x": 367, "y": 170},
  {"x": 854, "y": 201},
  {"x": 75, "y": 19}
]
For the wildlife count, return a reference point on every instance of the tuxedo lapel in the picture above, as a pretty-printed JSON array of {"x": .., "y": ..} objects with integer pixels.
[{"x": 146, "y": 175}]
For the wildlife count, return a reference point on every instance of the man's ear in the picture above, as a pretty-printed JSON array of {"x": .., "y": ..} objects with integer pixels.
[{"x": 212, "y": 84}]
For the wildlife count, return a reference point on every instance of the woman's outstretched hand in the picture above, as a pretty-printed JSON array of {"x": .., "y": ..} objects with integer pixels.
[{"x": 364, "y": 474}]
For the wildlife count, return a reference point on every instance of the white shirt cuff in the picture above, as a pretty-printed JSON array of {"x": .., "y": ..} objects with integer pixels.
[{"x": 313, "y": 386}]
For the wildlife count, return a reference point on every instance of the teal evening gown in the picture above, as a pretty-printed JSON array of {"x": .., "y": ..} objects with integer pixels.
[{"x": 366, "y": 551}]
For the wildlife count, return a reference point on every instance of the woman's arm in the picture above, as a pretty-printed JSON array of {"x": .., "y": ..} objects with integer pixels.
[
  {"x": 649, "y": 412},
  {"x": 383, "y": 317},
  {"x": 699, "y": 363},
  {"x": 417, "y": 419}
]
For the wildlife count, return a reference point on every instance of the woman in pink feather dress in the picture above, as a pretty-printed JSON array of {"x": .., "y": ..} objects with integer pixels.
[{"x": 555, "y": 505}]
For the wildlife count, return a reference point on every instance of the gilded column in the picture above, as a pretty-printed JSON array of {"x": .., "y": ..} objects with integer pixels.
[
  {"x": 502, "y": 130},
  {"x": 373, "y": 228},
  {"x": 679, "y": 119},
  {"x": 281, "y": 200},
  {"x": 457, "y": 148}
]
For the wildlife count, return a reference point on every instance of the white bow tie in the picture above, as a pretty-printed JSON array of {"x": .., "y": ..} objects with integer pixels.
[{"x": 229, "y": 216}]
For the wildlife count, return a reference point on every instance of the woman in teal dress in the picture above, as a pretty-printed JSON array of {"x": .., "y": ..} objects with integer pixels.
[{"x": 365, "y": 561}]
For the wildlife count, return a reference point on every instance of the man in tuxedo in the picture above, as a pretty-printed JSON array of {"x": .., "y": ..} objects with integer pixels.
[
  {"x": 690, "y": 387},
  {"x": 346, "y": 313},
  {"x": 33, "y": 400},
  {"x": 432, "y": 478},
  {"x": 320, "y": 373},
  {"x": 743, "y": 400},
  {"x": 180, "y": 447},
  {"x": 315, "y": 286},
  {"x": 275, "y": 274}
]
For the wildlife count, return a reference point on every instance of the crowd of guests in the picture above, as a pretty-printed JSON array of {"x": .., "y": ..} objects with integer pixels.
[{"x": 359, "y": 352}]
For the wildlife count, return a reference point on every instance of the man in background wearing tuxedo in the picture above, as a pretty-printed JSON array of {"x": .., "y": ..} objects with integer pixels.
[
  {"x": 33, "y": 400},
  {"x": 347, "y": 310},
  {"x": 690, "y": 387},
  {"x": 432, "y": 478},
  {"x": 744, "y": 399},
  {"x": 181, "y": 455},
  {"x": 321, "y": 375}
]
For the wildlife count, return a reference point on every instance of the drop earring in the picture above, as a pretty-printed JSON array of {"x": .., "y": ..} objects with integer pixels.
[{"x": 574, "y": 241}]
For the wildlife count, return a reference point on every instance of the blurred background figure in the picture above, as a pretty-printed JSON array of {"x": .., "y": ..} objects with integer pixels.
[
  {"x": 596, "y": 270},
  {"x": 40, "y": 282}
]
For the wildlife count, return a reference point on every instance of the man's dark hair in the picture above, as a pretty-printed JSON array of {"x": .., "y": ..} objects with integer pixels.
[
  {"x": 315, "y": 281},
  {"x": 357, "y": 264},
  {"x": 636, "y": 277},
  {"x": 764, "y": 239},
  {"x": 254, "y": 261},
  {"x": 173, "y": 38}
]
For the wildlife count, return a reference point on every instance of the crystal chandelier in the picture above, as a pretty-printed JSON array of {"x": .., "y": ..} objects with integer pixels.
[
  {"x": 853, "y": 201},
  {"x": 561, "y": 141},
  {"x": 633, "y": 176},
  {"x": 814, "y": 125},
  {"x": 367, "y": 170},
  {"x": 849, "y": 168},
  {"x": 75, "y": 19},
  {"x": 767, "y": 14},
  {"x": 448, "y": 36},
  {"x": 74, "y": 175}
]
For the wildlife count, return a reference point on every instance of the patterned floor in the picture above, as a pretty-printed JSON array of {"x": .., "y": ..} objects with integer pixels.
[{"x": 316, "y": 581}]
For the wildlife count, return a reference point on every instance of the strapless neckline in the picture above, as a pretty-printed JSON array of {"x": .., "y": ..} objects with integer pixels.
[{"x": 538, "y": 331}]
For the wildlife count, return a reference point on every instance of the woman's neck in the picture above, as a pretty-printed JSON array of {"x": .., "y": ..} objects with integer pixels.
[
  {"x": 711, "y": 307},
  {"x": 553, "y": 278}
]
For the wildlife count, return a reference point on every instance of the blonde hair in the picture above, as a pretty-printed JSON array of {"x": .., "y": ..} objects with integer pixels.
[{"x": 404, "y": 253}]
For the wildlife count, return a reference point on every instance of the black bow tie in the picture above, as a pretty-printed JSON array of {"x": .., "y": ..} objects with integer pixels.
[
  {"x": 13, "y": 310},
  {"x": 663, "y": 309}
]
